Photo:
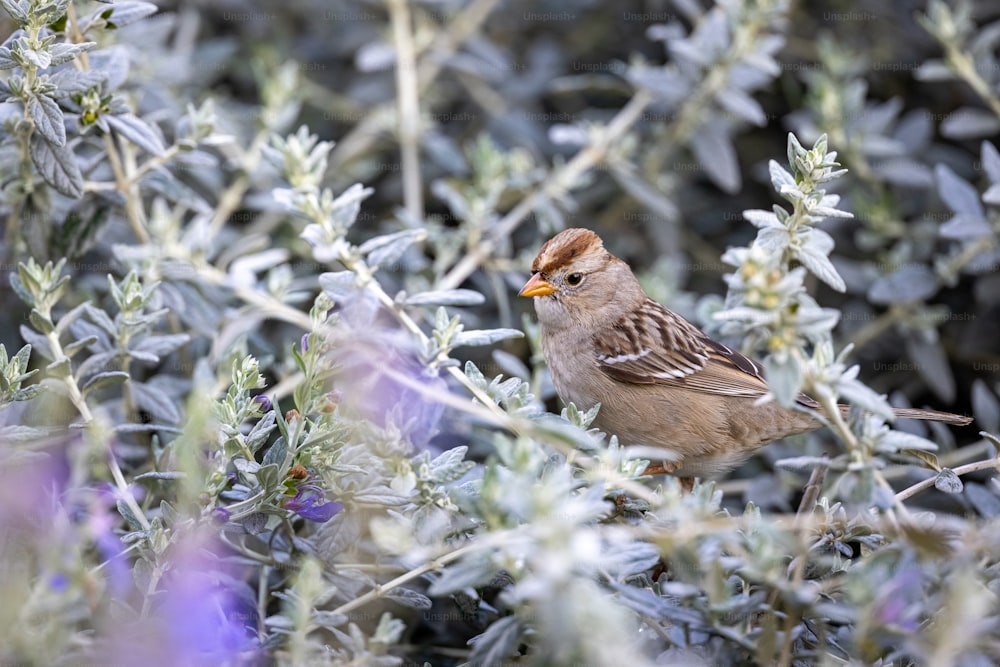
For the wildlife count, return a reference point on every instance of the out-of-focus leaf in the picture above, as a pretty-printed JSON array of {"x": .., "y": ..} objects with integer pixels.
[
  {"x": 985, "y": 406},
  {"x": 905, "y": 285},
  {"x": 970, "y": 123},
  {"x": 452, "y": 297},
  {"x": 713, "y": 148},
  {"x": 498, "y": 644},
  {"x": 948, "y": 482},
  {"x": 957, "y": 193}
]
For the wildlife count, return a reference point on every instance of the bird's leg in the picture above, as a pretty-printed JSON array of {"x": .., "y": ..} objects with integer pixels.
[
  {"x": 668, "y": 468},
  {"x": 661, "y": 468}
]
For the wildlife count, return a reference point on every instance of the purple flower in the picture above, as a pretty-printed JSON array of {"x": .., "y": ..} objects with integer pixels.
[
  {"x": 220, "y": 515},
  {"x": 206, "y": 611},
  {"x": 304, "y": 343},
  {"x": 265, "y": 402},
  {"x": 309, "y": 503}
]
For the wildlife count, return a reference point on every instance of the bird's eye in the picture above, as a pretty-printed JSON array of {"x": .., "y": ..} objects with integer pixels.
[{"x": 574, "y": 279}]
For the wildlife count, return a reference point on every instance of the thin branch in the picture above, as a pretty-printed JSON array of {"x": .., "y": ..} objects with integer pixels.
[
  {"x": 923, "y": 485},
  {"x": 408, "y": 116}
]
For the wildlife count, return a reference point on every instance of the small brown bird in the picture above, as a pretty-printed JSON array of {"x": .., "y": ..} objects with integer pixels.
[{"x": 660, "y": 380}]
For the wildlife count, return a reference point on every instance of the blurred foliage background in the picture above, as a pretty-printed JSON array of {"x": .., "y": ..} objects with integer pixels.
[{"x": 433, "y": 147}]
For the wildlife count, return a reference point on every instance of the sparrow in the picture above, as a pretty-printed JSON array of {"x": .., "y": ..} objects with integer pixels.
[{"x": 661, "y": 382}]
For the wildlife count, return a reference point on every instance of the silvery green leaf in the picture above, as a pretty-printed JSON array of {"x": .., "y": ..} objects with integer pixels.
[
  {"x": 773, "y": 240},
  {"x": 784, "y": 378},
  {"x": 904, "y": 171},
  {"x": 963, "y": 226},
  {"x": 57, "y": 166},
  {"x": 815, "y": 322},
  {"x": 819, "y": 265},
  {"x": 443, "y": 150},
  {"x": 153, "y": 400},
  {"x": 666, "y": 84},
  {"x": 338, "y": 285},
  {"x": 451, "y": 297},
  {"x": 260, "y": 432},
  {"x": 276, "y": 453},
  {"x": 714, "y": 150},
  {"x": 511, "y": 364},
  {"x": 969, "y": 123},
  {"x": 948, "y": 482},
  {"x": 905, "y": 285},
  {"x": 992, "y": 195},
  {"x": 384, "y": 251},
  {"x": 754, "y": 316},
  {"x": 499, "y": 644},
  {"x": 268, "y": 476},
  {"x": 991, "y": 161},
  {"x": 485, "y": 337},
  {"x": 62, "y": 52},
  {"x": 6, "y": 61},
  {"x": 858, "y": 394},
  {"x": 125, "y": 13},
  {"x": 450, "y": 465},
  {"x": 933, "y": 366},
  {"x": 564, "y": 134},
  {"x": 622, "y": 560},
  {"x": 165, "y": 475},
  {"x": 409, "y": 598},
  {"x": 644, "y": 193},
  {"x": 738, "y": 103},
  {"x": 347, "y": 206},
  {"x": 781, "y": 178},
  {"x": 957, "y": 193},
  {"x": 105, "y": 379},
  {"x": 127, "y": 514},
  {"x": 48, "y": 119},
  {"x": 138, "y": 131},
  {"x": 985, "y": 502},
  {"x": 160, "y": 344},
  {"x": 894, "y": 441},
  {"x": 648, "y": 603},
  {"x": 762, "y": 219},
  {"x": 985, "y": 406},
  {"x": 801, "y": 462},
  {"x": 40, "y": 59},
  {"x": 934, "y": 70},
  {"x": 455, "y": 200},
  {"x": 18, "y": 10}
]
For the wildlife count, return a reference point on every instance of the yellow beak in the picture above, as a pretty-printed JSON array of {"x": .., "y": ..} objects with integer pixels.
[{"x": 537, "y": 286}]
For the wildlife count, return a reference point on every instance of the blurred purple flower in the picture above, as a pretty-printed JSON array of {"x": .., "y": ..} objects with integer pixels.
[
  {"x": 264, "y": 401},
  {"x": 310, "y": 503},
  {"x": 304, "y": 343},
  {"x": 897, "y": 605},
  {"x": 207, "y": 613},
  {"x": 101, "y": 522}
]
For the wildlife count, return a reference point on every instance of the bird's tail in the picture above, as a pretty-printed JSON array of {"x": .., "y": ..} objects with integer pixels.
[{"x": 932, "y": 415}]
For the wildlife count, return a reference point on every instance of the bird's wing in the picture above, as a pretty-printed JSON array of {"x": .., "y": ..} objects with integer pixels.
[{"x": 656, "y": 346}]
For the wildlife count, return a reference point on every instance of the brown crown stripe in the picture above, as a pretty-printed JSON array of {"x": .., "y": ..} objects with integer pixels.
[{"x": 563, "y": 247}]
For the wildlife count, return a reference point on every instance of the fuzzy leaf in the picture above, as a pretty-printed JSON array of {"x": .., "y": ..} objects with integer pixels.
[
  {"x": 498, "y": 644},
  {"x": 906, "y": 285},
  {"x": 48, "y": 119},
  {"x": 138, "y": 131},
  {"x": 451, "y": 297},
  {"x": 957, "y": 193},
  {"x": 57, "y": 166},
  {"x": 948, "y": 482}
]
